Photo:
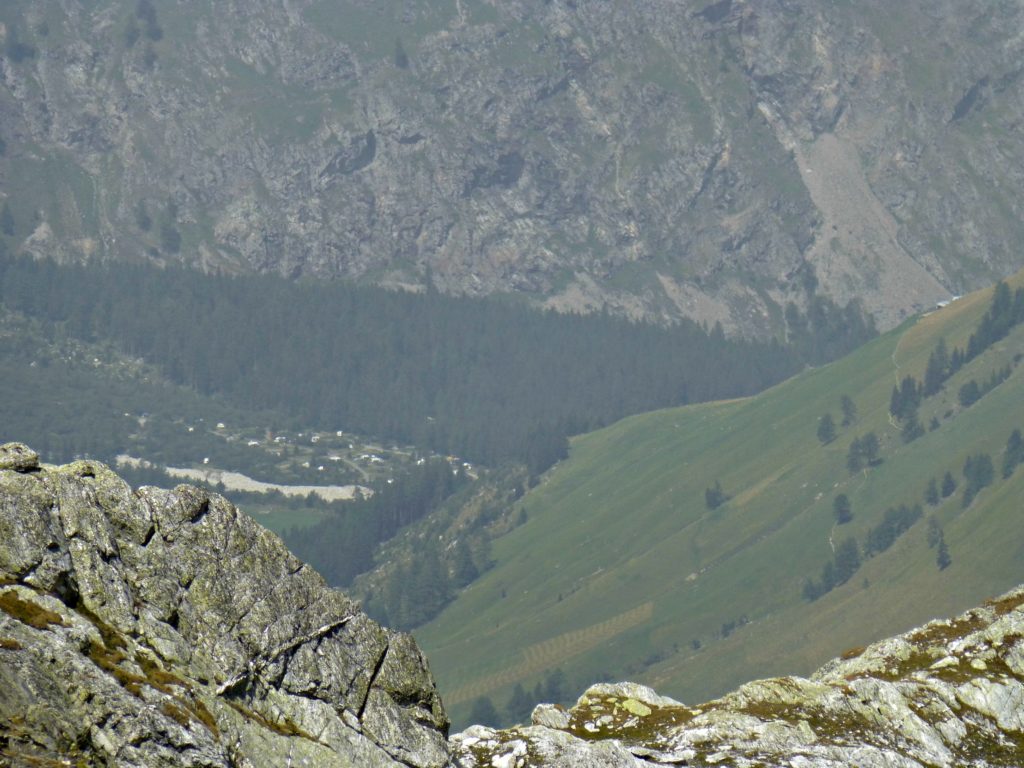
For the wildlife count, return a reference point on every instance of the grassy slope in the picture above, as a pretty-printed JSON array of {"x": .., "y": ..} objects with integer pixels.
[{"x": 621, "y": 566}]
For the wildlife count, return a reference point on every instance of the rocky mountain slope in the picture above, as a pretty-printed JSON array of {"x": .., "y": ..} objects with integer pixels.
[
  {"x": 660, "y": 158},
  {"x": 947, "y": 694},
  {"x": 154, "y": 627}
]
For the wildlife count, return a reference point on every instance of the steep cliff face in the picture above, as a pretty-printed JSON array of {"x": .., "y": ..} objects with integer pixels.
[
  {"x": 661, "y": 158},
  {"x": 947, "y": 694},
  {"x": 157, "y": 627}
]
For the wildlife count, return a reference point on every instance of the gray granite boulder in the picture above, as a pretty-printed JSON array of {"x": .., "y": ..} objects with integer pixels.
[{"x": 164, "y": 627}]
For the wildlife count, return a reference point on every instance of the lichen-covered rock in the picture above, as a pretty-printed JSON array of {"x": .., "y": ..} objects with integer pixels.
[
  {"x": 165, "y": 628},
  {"x": 536, "y": 745},
  {"x": 948, "y": 694},
  {"x": 19, "y": 457},
  {"x": 157, "y": 627},
  {"x": 550, "y": 716}
]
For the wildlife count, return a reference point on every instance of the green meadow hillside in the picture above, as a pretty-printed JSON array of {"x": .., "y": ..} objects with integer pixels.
[{"x": 624, "y": 570}]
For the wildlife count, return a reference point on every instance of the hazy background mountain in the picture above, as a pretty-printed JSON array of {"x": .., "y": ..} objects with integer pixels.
[{"x": 664, "y": 159}]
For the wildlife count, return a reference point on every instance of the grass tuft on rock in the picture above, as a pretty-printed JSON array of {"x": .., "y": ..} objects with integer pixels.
[{"x": 28, "y": 612}]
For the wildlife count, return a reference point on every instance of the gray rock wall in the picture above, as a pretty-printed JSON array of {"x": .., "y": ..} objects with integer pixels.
[
  {"x": 662, "y": 158},
  {"x": 165, "y": 627}
]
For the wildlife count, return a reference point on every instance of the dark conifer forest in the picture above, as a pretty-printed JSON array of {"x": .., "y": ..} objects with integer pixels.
[{"x": 483, "y": 378}]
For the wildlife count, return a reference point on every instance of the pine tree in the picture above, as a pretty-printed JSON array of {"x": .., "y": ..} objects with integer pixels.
[
  {"x": 538, "y": 691},
  {"x": 1014, "y": 453},
  {"x": 715, "y": 497},
  {"x": 555, "y": 686},
  {"x": 841, "y": 509},
  {"x": 429, "y": 590},
  {"x": 847, "y": 560},
  {"x": 869, "y": 447},
  {"x": 463, "y": 567},
  {"x": 863, "y": 450},
  {"x": 811, "y": 590},
  {"x": 931, "y": 493},
  {"x": 978, "y": 474},
  {"x": 895, "y": 403},
  {"x": 956, "y": 360},
  {"x": 912, "y": 428},
  {"x": 948, "y": 485},
  {"x": 849, "y": 409},
  {"x": 520, "y": 705},
  {"x": 907, "y": 398},
  {"x": 855, "y": 456},
  {"x": 942, "y": 558},
  {"x": 826, "y": 429},
  {"x": 969, "y": 394},
  {"x": 937, "y": 369},
  {"x": 484, "y": 713}
]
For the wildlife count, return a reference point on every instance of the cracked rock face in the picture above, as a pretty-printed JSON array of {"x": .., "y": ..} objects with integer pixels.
[
  {"x": 165, "y": 628},
  {"x": 157, "y": 627},
  {"x": 948, "y": 694},
  {"x": 658, "y": 158}
]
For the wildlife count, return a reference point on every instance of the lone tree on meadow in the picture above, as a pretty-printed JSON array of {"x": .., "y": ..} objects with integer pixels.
[
  {"x": 969, "y": 394},
  {"x": 841, "y": 509},
  {"x": 935, "y": 534},
  {"x": 978, "y": 474},
  {"x": 1014, "y": 453},
  {"x": 912, "y": 428},
  {"x": 948, "y": 485},
  {"x": 849, "y": 409},
  {"x": 863, "y": 451},
  {"x": 942, "y": 558},
  {"x": 715, "y": 497},
  {"x": 826, "y": 429},
  {"x": 847, "y": 560}
]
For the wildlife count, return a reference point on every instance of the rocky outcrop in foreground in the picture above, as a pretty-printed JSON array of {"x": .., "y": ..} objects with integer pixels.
[
  {"x": 166, "y": 628},
  {"x": 947, "y": 694},
  {"x": 155, "y": 627}
]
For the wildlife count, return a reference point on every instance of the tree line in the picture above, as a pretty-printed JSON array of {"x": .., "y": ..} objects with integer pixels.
[
  {"x": 553, "y": 689},
  {"x": 978, "y": 474},
  {"x": 343, "y": 544},
  {"x": 482, "y": 378},
  {"x": 972, "y": 391},
  {"x": 1005, "y": 312}
]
